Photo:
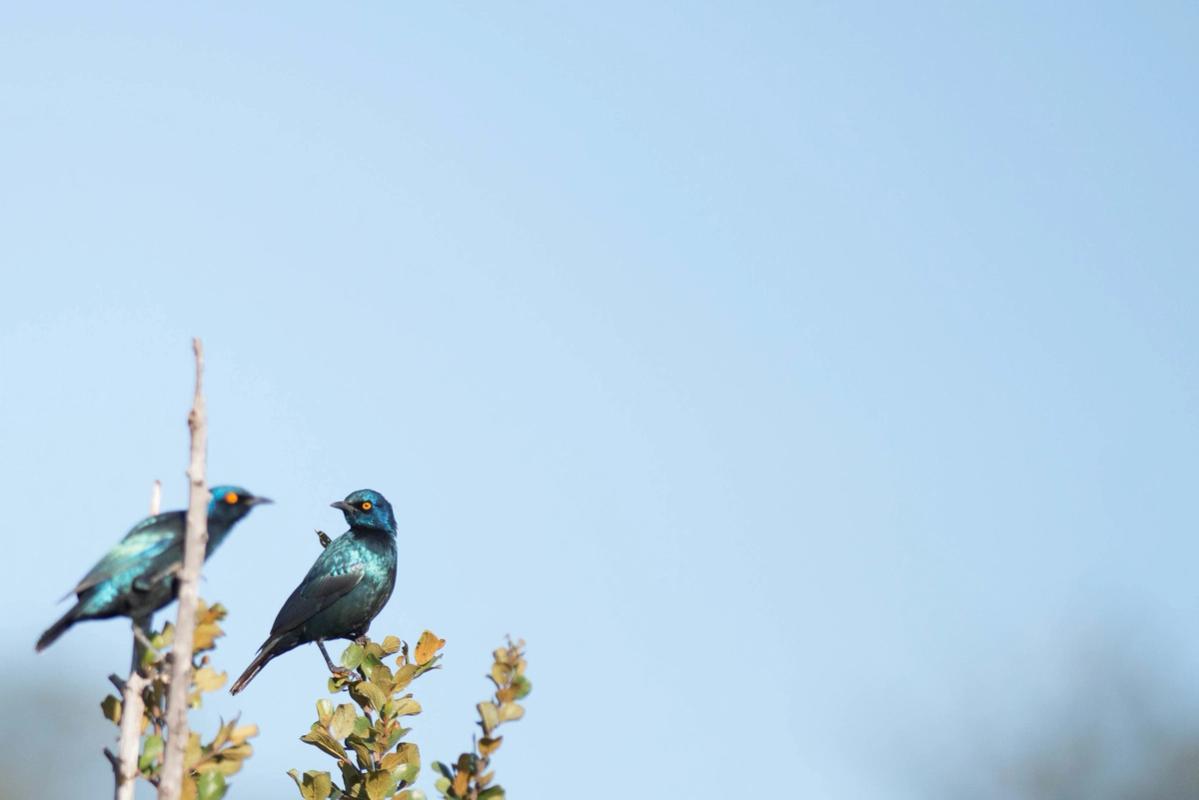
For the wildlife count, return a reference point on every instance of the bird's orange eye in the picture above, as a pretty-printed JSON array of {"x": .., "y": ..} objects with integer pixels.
[
  {"x": 366, "y": 506},
  {"x": 231, "y": 498}
]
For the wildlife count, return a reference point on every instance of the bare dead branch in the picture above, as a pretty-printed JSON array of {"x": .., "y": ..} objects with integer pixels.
[
  {"x": 195, "y": 541},
  {"x": 124, "y": 765}
]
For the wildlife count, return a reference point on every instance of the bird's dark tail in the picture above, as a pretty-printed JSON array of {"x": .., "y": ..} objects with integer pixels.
[
  {"x": 58, "y": 628},
  {"x": 275, "y": 646}
]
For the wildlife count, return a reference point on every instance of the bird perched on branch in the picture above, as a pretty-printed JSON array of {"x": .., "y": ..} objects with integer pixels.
[
  {"x": 346, "y": 588},
  {"x": 137, "y": 576}
]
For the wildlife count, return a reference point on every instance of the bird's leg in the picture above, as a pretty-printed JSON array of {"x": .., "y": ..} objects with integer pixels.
[
  {"x": 141, "y": 642},
  {"x": 143, "y": 639},
  {"x": 336, "y": 670}
]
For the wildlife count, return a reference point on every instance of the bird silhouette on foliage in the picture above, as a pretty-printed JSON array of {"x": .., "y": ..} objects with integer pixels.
[
  {"x": 346, "y": 588},
  {"x": 137, "y": 576}
]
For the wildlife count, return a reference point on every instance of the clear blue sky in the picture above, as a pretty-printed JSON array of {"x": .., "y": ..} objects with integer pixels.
[{"x": 802, "y": 381}]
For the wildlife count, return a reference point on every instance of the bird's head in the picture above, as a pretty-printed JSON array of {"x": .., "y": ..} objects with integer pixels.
[
  {"x": 231, "y": 503},
  {"x": 366, "y": 508}
]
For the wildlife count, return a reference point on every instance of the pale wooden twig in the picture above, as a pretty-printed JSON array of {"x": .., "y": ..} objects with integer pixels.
[
  {"x": 171, "y": 784},
  {"x": 124, "y": 765}
]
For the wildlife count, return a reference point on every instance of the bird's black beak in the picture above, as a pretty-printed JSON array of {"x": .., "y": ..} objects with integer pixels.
[
  {"x": 342, "y": 505},
  {"x": 259, "y": 501}
]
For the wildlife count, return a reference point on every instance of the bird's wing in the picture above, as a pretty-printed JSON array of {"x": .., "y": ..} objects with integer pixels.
[
  {"x": 148, "y": 543},
  {"x": 337, "y": 570}
]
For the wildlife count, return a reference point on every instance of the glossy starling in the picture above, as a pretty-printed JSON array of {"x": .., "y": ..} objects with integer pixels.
[
  {"x": 137, "y": 576},
  {"x": 346, "y": 588}
]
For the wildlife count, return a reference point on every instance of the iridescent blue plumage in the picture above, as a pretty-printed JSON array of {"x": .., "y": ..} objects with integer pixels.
[
  {"x": 137, "y": 576},
  {"x": 346, "y": 588}
]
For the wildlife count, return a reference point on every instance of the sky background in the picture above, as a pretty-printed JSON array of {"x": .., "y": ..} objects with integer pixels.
[{"x": 813, "y": 386}]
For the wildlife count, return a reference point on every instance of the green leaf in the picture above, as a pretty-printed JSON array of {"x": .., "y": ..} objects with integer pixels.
[
  {"x": 210, "y": 786},
  {"x": 492, "y": 793},
  {"x": 151, "y": 750},
  {"x": 443, "y": 770},
  {"x": 391, "y": 644},
  {"x": 352, "y": 656},
  {"x": 522, "y": 687}
]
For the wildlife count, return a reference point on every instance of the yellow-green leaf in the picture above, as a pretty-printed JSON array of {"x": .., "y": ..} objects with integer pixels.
[
  {"x": 206, "y": 636},
  {"x": 379, "y": 785},
  {"x": 191, "y": 753},
  {"x": 381, "y": 677},
  {"x": 207, "y": 679},
  {"x": 511, "y": 711},
  {"x": 500, "y": 674},
  {"x": 243, "y": 732},
  {"x": 237, "y": 752},
  {"x": 490, "y": 716},
  {"x": 342, "y": 721},
  {"x": 322, "y": 784},
  {"x": 405, "y": 753},
  {"x": 222, "y": 735},
  {"x": 320, "y": 738},
  {"x": 351, "y": 657},
  {"x": 406, "y": 706},
  {"x": 111, "y": 706},
  {"x": 324, "y": 710},
  {"x": 313, "y": 785},
  {"x": 403, "y": 676},
  {"x": 368, "y": 693}
]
